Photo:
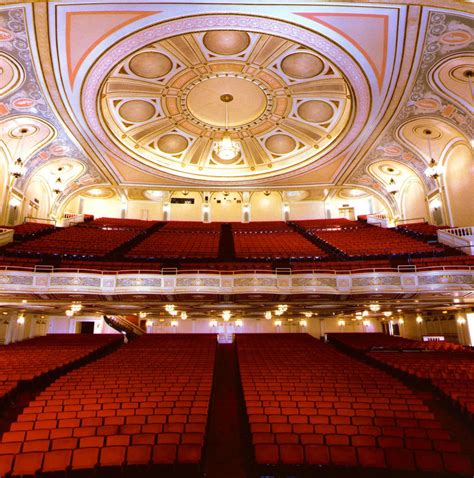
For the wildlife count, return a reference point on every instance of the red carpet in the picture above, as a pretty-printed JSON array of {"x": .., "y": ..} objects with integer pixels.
[{"x": 227, "y": 441}]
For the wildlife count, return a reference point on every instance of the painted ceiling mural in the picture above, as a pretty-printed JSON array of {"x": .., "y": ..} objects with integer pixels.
[{"x": 133, "y": 92}]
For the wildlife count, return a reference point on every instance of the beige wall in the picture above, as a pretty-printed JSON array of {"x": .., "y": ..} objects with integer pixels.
[
  {"x": 413, "y": 201},
  {"x": 459, "y": 183},
  {"x": 148, "y": 210},
  {"x": 228, "y": 210},
  {"x": 187, "y": 212},
  {"x": 4, "y": 179},
  {"x": 307, "y": 210},
  {"x": 266, "y": 208},
  {"x": 37, "y": 189}
]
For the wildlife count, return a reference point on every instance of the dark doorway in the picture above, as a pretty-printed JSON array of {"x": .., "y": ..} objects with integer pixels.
[{"x": 86, "y": 328}]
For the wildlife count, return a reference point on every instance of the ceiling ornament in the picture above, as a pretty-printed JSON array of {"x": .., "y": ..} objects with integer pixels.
[
  {"x": 160, "y": 106},
  {"x": 235, "y": 109}
]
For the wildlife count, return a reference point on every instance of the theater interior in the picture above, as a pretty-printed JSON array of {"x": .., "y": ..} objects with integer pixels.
[{"x": 236, "y": 239}]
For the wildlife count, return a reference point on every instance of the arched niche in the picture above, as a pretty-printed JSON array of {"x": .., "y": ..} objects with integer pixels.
[
  {"x": 458, "y": 180},
  {"x": 266, "y": 206},
  {"x": 412, "y": 201},
  {"x": 186, "y": 207},
  {"x": 4, "y": 179},
  {"x": 226, "y": 207},
  {"x": 38, "y": 199}
]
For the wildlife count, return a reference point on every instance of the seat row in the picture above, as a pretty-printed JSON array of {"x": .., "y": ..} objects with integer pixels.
[
  {"x": 308, "y": 403},
  {"x": 118, "y": 411},
  {"x": 35, "y": 358}
]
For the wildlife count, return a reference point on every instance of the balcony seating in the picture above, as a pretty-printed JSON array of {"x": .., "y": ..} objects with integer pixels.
[
  {"x": 274, "y": 245},
  {"x": 18, "y": 262},
  {"x": 32, "y": 359},
  {"x": 341, "y": 266},
  {"x": 375, "y": 241},
  {"x": 93, "y": 245},
  {"x": 145, "y": 404},
  {"x": 226, "y": 267},
  {"x": 180, "y": 240},
  {"x": 111, "y": 266},
  {"x": 422, "y": 230},
  {"x": 76, "y": 241},
  {"x": 308, "y": 403}
]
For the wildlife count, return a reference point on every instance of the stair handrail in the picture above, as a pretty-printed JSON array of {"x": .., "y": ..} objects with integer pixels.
[{"x": 120, "y": 320}]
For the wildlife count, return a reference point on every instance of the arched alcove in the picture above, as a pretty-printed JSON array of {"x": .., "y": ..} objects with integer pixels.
[
  {"x": 4, "y": 177},
  {"x": 38, "y": 199},
  {"x": 459, "y": 183},
  {"x": 413, "y": 201}
]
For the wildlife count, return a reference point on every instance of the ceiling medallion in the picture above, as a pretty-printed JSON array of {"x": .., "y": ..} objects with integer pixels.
[{"x": 228, "y": 105}]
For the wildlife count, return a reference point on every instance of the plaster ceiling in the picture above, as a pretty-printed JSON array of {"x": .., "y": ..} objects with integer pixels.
[{"x": 131, "y": 92}]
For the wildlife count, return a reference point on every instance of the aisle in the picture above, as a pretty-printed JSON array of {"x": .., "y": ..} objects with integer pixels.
[{"x": 227, "y": 446}]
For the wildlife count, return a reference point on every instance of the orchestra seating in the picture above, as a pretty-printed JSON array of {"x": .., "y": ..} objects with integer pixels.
[
  {"x": 364, "y": 342},
  {"x": 27, "y": 229},
  {"x": 308, "y": 403},
  {"x": 113, "y": 222},
  {"x": 374, "y": 241},
  {"x": 180, "y": 240},
  {"x": 451, "y": 372},
  {"x": 312, "y": 225},
  {"x": 145, "y": 404},
  {"x": 35, "y": 358}
]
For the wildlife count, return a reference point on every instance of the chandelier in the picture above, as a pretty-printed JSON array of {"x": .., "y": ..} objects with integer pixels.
[
  {"x": 18, "y": 168},
  {"x": 58, "y": 186},
  {"x": 434, "y": 170},
  {"x": 226, "y": 149},
  {"x": 392, "y": 187}
]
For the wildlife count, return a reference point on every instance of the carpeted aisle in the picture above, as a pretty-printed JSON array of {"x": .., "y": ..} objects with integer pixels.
[{"x": 227, "y": 444}]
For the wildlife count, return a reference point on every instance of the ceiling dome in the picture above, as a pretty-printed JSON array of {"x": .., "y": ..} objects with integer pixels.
[{"x": 163, "y": 104}]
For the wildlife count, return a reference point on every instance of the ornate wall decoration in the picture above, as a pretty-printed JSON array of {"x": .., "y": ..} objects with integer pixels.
[
  {"x": 144, "y": 282},
  {"x": 446, "y": 34},
  {"x": 28, "y": 98}
]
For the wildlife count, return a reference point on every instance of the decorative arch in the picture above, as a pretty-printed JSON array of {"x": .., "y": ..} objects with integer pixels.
[
  {"x": 38, "y": 198},
  {"x": 458, "y": 183},
  {"x": 412, "y": 200},
  {"x": 4, "y": 183}
]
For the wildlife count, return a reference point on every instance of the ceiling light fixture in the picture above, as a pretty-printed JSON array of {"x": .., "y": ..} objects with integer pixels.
[
  {"x": 58, "y": 184},
  {"x": 434, "y": 170},
  {"x": 18, "y": 168},
  {"x": 469, "y": 74},
  {"x": 268, "y": 315},
  {"x": 226, "y": 315},
  {"x": 226, "y": 149},
  {"x": 392, "y": 187}
]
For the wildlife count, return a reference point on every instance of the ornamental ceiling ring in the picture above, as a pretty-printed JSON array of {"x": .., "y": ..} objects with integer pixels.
[{"x": 353, "y": 73}]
